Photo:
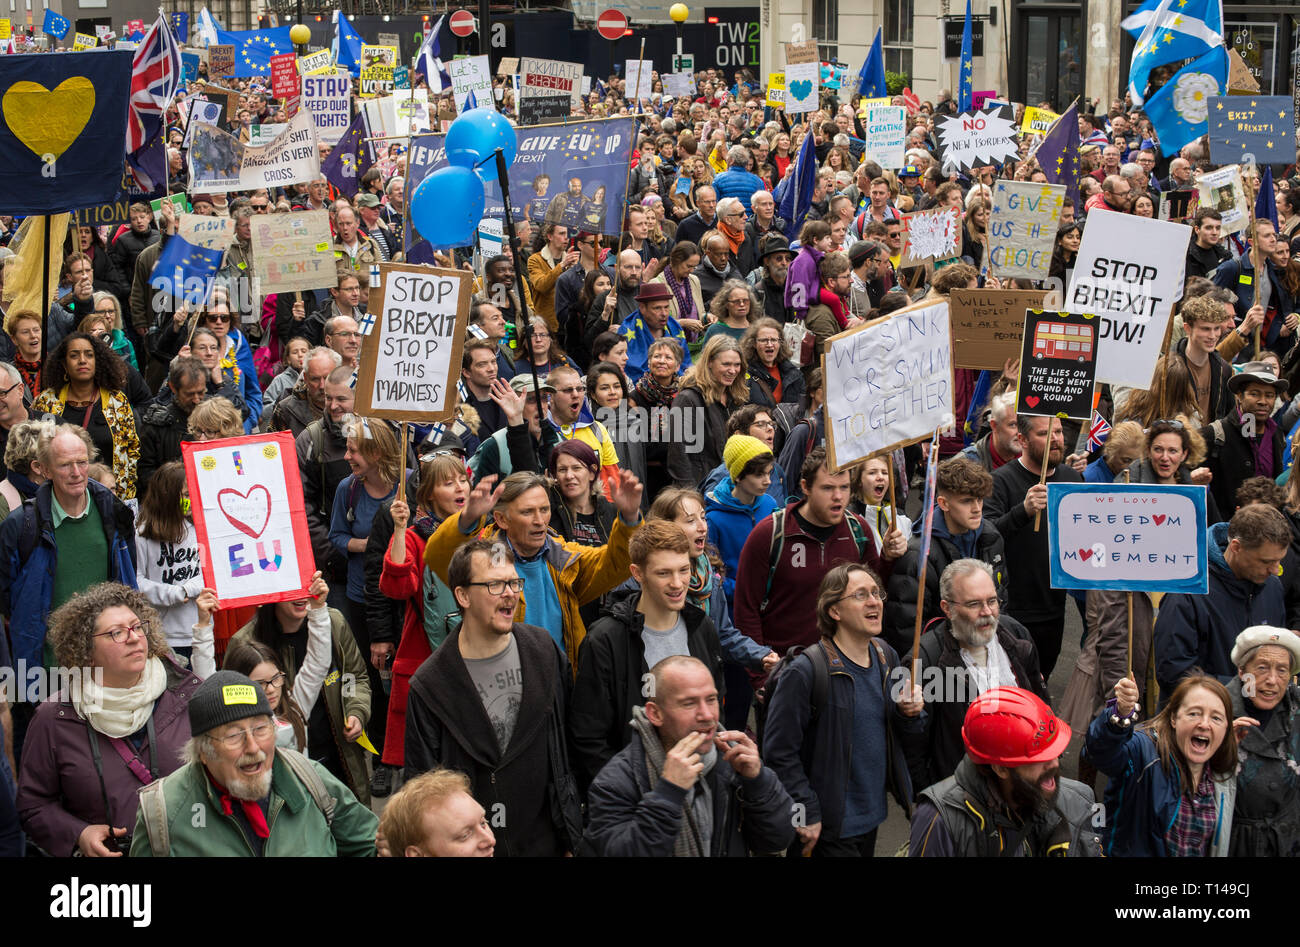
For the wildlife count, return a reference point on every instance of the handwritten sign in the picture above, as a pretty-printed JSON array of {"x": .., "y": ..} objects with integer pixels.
[
  {"x": 83, "y": 41},
  {"x": 536, "y": 109},
  {"x": 1259, "y": 125},
  {"x": 1058, "y": 364},
  {"x": 210, "y": 233},
  {"x": 548, "y": 77},
  {"x": 471, "y": 74},
  {"x": 1128, "y": 537},
  {"x": 979, "y": 138},
  {"x": 292, "y": 251},
  {"x": 317, "y": 62},
  {"x": 801, "y": 53},
  {"x": 246, "y": 497},
  {"x": 987, "y": 324},
  {"x": 775, "y": 90},
  {"x": 930, "y": 235},
  {"x": 411, "y": 359},
  {"x": 1022, "y": 228},
  {"x": 221, "y": 61},
  {"x": 886, "y": 131},
  {"x": 888, "y": 383}
]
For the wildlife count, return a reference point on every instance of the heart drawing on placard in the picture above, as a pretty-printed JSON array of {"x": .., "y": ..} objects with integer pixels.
[
  {"x": 48, "y": 121},
  {"x": 801, "y": 89},
  {"x": 1159, "y": 518},
  {"x": 1085, "y": 554},
  {"x": 248, "y": 512},
  {"x": 1031, "y": 400}
]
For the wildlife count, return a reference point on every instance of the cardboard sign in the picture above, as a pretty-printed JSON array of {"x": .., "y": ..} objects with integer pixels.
[
  {"x": 284, "y": 75},
  {"x": 1261, "y": 126},
  {"x": 471, "y": 74},
  {"x": 639, "y": 74},
  {"x": 930, "y": 235},
  {"x": 83, "y": 41},
  {"x": 775, "y": 90},
  {"x": 1226, "y": 192},
  {"x": 539, "y": 109},
  {"x": 210, "y": 233},
  {"x": 978, "y": 138},
  {"x": 796, "y": 53},
  {"x": 1129, "y": 271},
  {"x": 1241, "y": 81},
  {"x": 888, "y": 383},
  {"x": 221, "y": 61},
  {"x": 292, "y": 251},
  {"x": 1058, "y": 364},
  {"x": 377, "y": 65},
  {"x": 1022, "y": 228},
  {"x": 1037, "y": 121},
  {"x": 411, "y": 360},
  {"x": 987, "y": 325},
  {"x": 246, "y": 498},
  {"x": 1140, "y": 537},
  {"x": 548, "y": 77},
  {"x": 801, "y": 81},
  {"x": 508, "y": 66},
  {"x": 678, "y": 84},
  {"x": 886, "y": 131},
  {"x": 327, "y": 100},
  {"x": 316, "y": 62}
]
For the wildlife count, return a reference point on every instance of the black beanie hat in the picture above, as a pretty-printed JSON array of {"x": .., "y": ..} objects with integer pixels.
[{"x": 223, "y": 698}]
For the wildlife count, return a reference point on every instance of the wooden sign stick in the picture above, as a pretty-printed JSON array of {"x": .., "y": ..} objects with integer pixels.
[{"x": 1042, "y": 474}]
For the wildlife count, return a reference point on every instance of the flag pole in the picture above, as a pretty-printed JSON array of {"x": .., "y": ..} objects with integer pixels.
[
  {"x": 45, "y": 295},
  {"x": 1254, "y": 254},
  {"x": 927, "y": 519}
]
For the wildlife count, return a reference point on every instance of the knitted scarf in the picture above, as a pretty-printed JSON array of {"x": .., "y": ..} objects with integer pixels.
[
  {"x": 682, "y": 292},
  {"x": 118, "y": 712},
  {"x": 31, "y": 372},
  {"x": 655, "y": 395},
  {"x": 734, "y": 237},
  {"x": 831, "y": 300},
  {"x": 697, "y": 824}
]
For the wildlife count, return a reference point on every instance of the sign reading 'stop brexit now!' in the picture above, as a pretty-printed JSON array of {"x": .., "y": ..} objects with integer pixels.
[{"x": 1128, "y": 537}]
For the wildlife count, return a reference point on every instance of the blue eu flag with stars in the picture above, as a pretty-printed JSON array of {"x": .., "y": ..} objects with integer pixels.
[
  {"x": 55, "y": 25},
  {"x": 254, "y": 48},
  {"x": 180, "y": 23},
  {"x": 183, "y": 266}
]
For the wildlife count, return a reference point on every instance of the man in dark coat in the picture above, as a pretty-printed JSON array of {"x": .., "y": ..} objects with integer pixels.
[{"x": 165, "y": 423}]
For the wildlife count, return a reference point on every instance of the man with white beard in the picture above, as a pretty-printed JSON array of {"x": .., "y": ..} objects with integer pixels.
[
  {"x": 240, "y": 794},
  {"x": 974, "y": 649}
]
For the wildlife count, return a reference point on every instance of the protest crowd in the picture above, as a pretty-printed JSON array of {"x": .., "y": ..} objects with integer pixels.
[{"x": 638, "y": 592}]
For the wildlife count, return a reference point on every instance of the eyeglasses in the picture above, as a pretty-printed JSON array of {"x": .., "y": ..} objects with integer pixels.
[
  {"x": 233, "y": 741},
  {"x": 345, "y": 335},
  {"x": 4, "y": 392},
  {"x": 205, "y": 434},
  {"x": 274, "y": 683},
  {"x": 990, "y": 603},
  {"x": 106, "y": 310},
  {"x": 862, "y": 595},
  {"x": 122, "y": 633},
  {"x": 217, "y": 317},
  {"x": 765, "y": 425},
  {"x": 498, "y": 586}
]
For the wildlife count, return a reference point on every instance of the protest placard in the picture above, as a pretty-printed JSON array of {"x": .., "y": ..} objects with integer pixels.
[
  {"x": 182, "y": 205},
  {"x": 411, "y": 360},
  {"x": 538, "y": 109},
  {"x": 1241, "y": 81},
  {"x": 978, "y": 138},
  {"x": 888, "y": 383},
  {"x": 1178, "y": 206},
  {"x": 775, "y": 90},
  {"x": 401, "y": 78},
  {"x": 292, "y": 251},
  {"x": 210, "y": 233},
  {"x": 221, "y": 60},
  {"x": 377, "y": 65},
  {"x": 471, "y": 74},
  {"x": 678, "y": 84},
  {"x": 797, "y": 53},
  {"x": 1139, "y": 537},
  {"x": 284, "y": 75},
  {"x": 1037, "y": 121},
  {"x": 982, "y": 98},
  {"x": 411, "y": 110},
  {"x": 1022, "y": 228},
  {"x": 1129, "y": 271},
  {"x": 84, "y": 41},
  {"x": 550, "y": 77},
  {"x": 1224, "y": 190},
  {"x": 639, "y": 74},
  {"x": 1058, "y": 364},
  {"x": 865, "y": 103},
  {"x": 491, "y": 237},
  {"x": 317, "y": 62},
  {"x": 1262, "y": 126},
  {"x": 987, "y": 324},
  {"x": 219, "y": 162},
  {"x": 202, "y": 112},
  {"x": 249, "y": 515},
  {"x": 930, "y": 235},
  {"x": 508, "y": 66},
  {"x": 326, "y": 99},
  {"x": 886, "y": 130},
  {"x": 6, "y": 29},
  {"x": 801, "y": 87}
]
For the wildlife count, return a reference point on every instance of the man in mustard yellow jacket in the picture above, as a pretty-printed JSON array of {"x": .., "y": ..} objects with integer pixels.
[
  {"x": 545, "y": 267},
  {"x": 559, "y": 577}
]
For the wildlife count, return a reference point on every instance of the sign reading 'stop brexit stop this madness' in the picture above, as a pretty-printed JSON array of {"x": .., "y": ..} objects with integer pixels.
[
  {"x": 1123, "y": 537},
  {"x": 1262, "y": 126}
]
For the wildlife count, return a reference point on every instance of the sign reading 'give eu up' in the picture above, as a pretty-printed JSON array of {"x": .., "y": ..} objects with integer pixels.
[{"x": 1127, "y": 537}]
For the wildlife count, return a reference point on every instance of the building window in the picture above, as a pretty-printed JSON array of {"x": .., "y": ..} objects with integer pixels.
[
  {"x": 898, "y": 36},
  {"x": 826, "y": 28}
]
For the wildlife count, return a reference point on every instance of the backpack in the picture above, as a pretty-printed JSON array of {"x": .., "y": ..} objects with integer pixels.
[
  {"x": 153, "y": 802},
  {"x": 863, "y": 542},
  {"x": 821, "y": 681}
]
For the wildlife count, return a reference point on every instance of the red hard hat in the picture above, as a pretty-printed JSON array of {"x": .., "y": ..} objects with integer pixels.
[{"x": 1009, "y": 726}]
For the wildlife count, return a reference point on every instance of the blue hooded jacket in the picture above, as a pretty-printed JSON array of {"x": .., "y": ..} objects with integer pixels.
[
  {"x": 730, "y": 523},
  {"x": 776, "y": 490}
]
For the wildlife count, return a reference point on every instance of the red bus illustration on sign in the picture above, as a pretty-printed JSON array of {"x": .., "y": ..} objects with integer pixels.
[{"x": 1061, "y": 340}]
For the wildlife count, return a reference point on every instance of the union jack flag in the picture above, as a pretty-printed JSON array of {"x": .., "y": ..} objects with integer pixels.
[
  {"x": 155, "y": 72},
  {"x": 1098, "y": 431}
]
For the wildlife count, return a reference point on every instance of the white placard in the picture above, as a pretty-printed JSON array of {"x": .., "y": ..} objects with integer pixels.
[
  {"x": 888, "y": 383},
  {"x": 1224, "y": 191},
  {"x": 220, "y": 162},
  {"x": 1130, "y": 272},
  {"x": 886, "y": 130},
  {"x": 471, "y": 74},
  {"x": 550, "y": 77},
  {"x": 638, "y": 88},
  {"x": 678, "y": 84},
  {"x": 327, "y": 98},
  {"x": 801, "y": 81}
]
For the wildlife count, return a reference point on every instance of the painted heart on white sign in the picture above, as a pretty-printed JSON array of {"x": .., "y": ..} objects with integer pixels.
[{"x": 247, "y": 512}]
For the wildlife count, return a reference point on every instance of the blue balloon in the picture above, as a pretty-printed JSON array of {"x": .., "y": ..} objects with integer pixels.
[
  {"x": 475, "y": 135},
  {"x": 447, "y": 206}
]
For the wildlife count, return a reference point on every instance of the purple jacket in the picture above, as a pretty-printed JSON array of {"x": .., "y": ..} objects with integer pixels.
[
  {"x": 58, "y": 790},
  {"x": 803, "y": 272}
]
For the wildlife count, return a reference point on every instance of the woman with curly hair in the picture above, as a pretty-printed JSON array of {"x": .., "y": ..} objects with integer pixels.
[
  {"x": 86, "y": 385},
  {"x": 731, "y": 310},
  {"x": 118, "y": 723}
]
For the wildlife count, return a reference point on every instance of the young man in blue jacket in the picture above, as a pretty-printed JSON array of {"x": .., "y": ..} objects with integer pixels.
[{"x": 737, "y": 503}]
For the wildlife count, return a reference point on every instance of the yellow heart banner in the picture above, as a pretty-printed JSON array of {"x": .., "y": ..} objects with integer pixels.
[{"x": 48, "y": 121}]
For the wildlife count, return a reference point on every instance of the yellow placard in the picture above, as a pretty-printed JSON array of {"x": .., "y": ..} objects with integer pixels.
[
  {"x": 377, "y": 65},
  {"x": 84, "y": 41},
  {"x": 315, "y": 63},
  {"x": 865, "y": 104},
  {"x": 6, "y": 30},
  {"x": 238, "y": 694},
  {"x": 776, "y": 90},
  {"x": 1037, "y": 121}
]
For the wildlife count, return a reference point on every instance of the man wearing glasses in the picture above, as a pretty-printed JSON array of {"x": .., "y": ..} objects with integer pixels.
[
  {"x": 468, "y": 706},
  {"x": 258, "y": 799}
]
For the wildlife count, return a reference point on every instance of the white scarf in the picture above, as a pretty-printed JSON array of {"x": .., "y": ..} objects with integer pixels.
[{"x": 121, "y": 711}]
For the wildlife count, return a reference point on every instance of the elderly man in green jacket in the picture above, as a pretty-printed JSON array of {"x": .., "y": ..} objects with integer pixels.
[{"x": 241, "y": 795}]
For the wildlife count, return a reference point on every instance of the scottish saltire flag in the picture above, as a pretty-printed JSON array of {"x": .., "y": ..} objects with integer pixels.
[
  {"x": 871, "y": 80},
  {"x": 55, "y": 25},
  {"x": 794, "y": 202},
  {"x": 350, "y": 158},
  {"x": 639, "y": 339},
  {"x": 429, "y": 59},
  {"x": 1058, "y": 155},
  {"x": 1179, "y": 110},
  {"x": 209, "y": 27},
  {"x": 254, "y": 48},
  {"x": 1177, "y": 30},
  {"x": 347, "y": 45},
  {"x": 185, "y": 270},
  {"x": 180, "y": 23},
  {"x": 966, "y": 68},
  {"x": 1098, "y": 431},
  {"x": 471, "y": 100},
  {"x": 1137, "y": 21}
]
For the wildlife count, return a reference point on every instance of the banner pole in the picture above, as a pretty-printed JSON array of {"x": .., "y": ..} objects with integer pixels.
[
  {"x": 1254, "y": 256},
  {"x": 927, "y": 513},
  {"x": 1042, "y": 474},
  {"x": 893, "y": 504}
]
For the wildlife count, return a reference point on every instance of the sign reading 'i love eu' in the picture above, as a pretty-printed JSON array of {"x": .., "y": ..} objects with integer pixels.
[{"x": 63, "y": 131}]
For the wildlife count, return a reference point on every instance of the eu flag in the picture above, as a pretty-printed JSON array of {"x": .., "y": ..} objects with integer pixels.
[
  {"x": 1266, "y": 201},
  {"x": 62, "y": 129},
  {"x": 180, "y": 23},
  {"x": 254, "y": 48},
  {"x": 1058, "y": 155},
  {"x": 55, "y": 25},
  {"x": 185, "y": 269},
  {"x": 966, "y": 69},
  {"x": 871, "y": 80},
  {"x": 799, "y": 185},
  {"x": 350, "y": 158}
]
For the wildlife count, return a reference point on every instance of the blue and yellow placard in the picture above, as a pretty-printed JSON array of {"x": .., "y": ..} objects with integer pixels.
[{"x": 1258, "y": 125}]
